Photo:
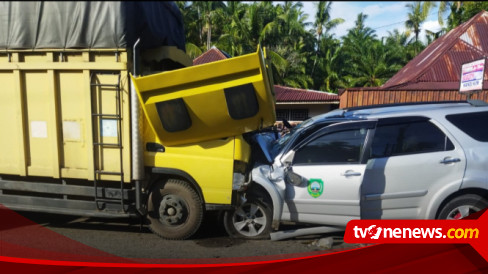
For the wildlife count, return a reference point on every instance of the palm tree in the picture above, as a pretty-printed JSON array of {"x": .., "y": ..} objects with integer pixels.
[
  {"x": 261, "y": 22},
  {"x": 454, "y": 6},
  {"x": 208, "y": 11},
  {"x": 285, "y": 36},
  {"x": 433, "y": 35},
  {"x": 418, "y": 13},
  {"x": 400, "y": 46},
  {"x": 360, "y": 49},
  {"x": 235, "y": 33},
  {"x": 357, "y": 37},
  {"x": 372, "y": 67},
  {"x": 323, "y": 24},
  {"x": 330, "y": 65},
  {"x": 192, "y": 29},
  {"x": 360, "y": 29},
  {"x": 462, "y": 11},
  {"x": 291, "y": 23}
]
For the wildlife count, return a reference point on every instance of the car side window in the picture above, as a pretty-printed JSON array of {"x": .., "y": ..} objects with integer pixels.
[
  {"x": 333, "y": 148},
  {"x": 472, "y": 124},
  {"x": 409, "y": 138}
]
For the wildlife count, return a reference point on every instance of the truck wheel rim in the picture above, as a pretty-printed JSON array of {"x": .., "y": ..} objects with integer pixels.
[
  {"x": 249, "y": 220},
  {"x": 172, "y": 210}
]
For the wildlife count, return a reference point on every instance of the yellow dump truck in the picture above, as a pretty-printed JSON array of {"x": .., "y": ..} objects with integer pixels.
[{"x": 102, "y": 114}]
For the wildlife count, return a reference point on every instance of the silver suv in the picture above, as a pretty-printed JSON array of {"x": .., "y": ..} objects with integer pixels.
[{"x": 409, "y": 161}]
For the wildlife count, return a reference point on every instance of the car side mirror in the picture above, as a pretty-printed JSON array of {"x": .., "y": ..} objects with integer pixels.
[
  {"x": 287, "y": 159},
  {"x": 293, "y": 178}
]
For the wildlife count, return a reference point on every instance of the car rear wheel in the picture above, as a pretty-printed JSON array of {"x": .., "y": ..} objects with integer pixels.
[
  {"x": 251, "y": 220},
  {"x": 175, "y": 210},
  {"x": 462, "y": 206}
]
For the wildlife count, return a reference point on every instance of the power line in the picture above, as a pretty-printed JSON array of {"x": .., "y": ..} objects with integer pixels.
[
  {"x": 401, "y": 22},
  {"x": 389, "y": 25}
]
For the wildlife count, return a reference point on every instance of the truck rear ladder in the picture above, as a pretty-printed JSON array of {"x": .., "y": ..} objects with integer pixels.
[{"x": 102, "y": 197}]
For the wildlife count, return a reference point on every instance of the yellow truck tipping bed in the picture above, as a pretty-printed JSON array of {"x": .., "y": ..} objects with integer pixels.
[{"x": 209, "y": 101}]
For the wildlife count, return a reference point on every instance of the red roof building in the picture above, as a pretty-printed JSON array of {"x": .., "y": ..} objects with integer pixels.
[
  {"x": 434, "y": 74},
  {"x": 210, "y": 55},
  {"x": 295, "y": 104},
  {"x": 297, "y": 95},
  {"x": 292, "y": 104}
]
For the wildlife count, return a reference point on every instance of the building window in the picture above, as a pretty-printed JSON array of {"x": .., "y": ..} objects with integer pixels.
[
  {"x": 282, "y": 114},
  {"x": 298, "y": 114},
  {"x": 292, "y": 114}
]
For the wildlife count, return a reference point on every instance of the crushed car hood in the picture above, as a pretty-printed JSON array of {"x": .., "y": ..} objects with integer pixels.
[{"x": 266, "y": 141}]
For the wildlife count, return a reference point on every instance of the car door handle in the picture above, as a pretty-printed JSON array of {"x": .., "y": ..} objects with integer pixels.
[
  {"x": 449, "y": 160},
  {"x": 351, "y": 173}
]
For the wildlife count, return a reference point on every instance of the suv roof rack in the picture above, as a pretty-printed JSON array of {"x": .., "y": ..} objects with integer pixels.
[
  {"x": 477, "y": 103},
  {"x": 413, "y": 104}
]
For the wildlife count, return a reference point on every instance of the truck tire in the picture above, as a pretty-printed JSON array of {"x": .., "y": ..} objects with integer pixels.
[
  {"x": 462, "y": 206},
  {"x": 252, "y": 220},
  {"x": 175, "y": 210}
]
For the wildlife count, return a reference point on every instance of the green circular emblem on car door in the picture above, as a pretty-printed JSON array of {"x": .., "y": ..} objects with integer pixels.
[{"x": 315, "y": 187}]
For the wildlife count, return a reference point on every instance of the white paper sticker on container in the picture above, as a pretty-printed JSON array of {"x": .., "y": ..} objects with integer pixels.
[
  {"x": 39, "y": 129},
  {"x": 71, "y": 130},
  {"x": 109, "y": 128}
]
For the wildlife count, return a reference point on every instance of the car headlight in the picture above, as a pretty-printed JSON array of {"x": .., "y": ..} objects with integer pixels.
[{"x": 239, "y": 176}]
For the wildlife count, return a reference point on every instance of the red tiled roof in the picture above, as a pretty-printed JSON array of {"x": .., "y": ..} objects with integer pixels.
[
  {"x": 440, "y": 63},
  {"x": 283, "y": 94},
  {"x": 288, "y": 94},
  {"x": 210, "y": 55}
]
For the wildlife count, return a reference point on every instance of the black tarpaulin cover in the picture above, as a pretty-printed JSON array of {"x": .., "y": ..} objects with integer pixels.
[{"x": 86, "y": 24}]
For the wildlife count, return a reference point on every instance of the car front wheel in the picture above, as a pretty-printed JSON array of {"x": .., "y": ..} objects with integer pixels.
[{"x": 251, "y": 220}]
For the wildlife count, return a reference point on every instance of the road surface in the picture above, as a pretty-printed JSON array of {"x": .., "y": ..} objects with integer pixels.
[{"x": 128, "y": 239}]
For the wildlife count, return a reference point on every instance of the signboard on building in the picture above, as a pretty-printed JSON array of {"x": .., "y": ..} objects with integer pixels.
[{"x": 472, "y": 76}]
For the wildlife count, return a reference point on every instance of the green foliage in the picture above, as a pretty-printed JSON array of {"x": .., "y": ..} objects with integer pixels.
[
  {"x": 461, "y": 11},
  {"x": 307, "y": 55},
  {"x": 418, "y": 13}
]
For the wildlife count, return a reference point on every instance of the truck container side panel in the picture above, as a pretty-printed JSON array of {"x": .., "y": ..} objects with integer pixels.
[
  {"x": 47, "y": 102},
  {"x": 75, "y": 123},
  {"x": 39, "y": 107},
  {"x": 55, "y": 131},
  {"x": 209, "y": 163},
  {"x": 11, "y": 146}
]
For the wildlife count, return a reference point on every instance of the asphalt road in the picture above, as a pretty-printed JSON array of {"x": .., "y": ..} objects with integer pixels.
[{"x": 128, "y": 239}]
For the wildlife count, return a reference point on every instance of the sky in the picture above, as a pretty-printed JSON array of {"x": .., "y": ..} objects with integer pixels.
[{"x": 382, "y": 16}]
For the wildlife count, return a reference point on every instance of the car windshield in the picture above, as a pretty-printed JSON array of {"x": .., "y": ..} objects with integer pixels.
[{"x": 281, "y": 142}]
